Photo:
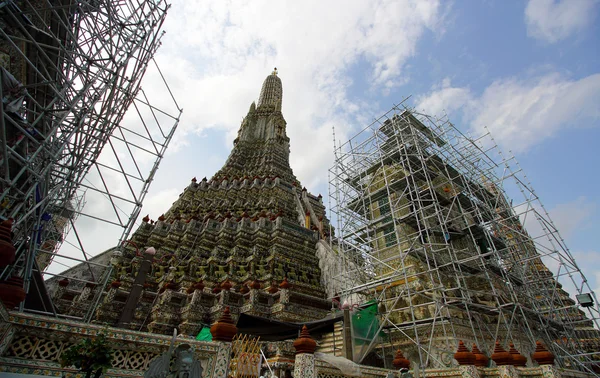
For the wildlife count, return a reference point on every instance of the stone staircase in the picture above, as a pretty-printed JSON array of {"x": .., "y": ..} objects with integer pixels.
[{"x": 332, "y": 343}]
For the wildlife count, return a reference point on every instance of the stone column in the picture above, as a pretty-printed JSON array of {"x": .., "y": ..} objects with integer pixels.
[
  {"x": 62, "y": 287},
  {"x": 550, "y": 371},
  {"x": 223, "y": 332},
  {"x": 86, "y": 292},
  {"x": 503, "y": 360},
  {"x": 466, "y": 361},
  {"x": 254, "y": 292},
  {"x": 7, "y": 330},
  {"x": 507, "y": 371},
  {"x": 284, "y": 291},
  {"x": 221, "y": 369},
  {"x": 136, "y": 290},
  {"x": 304, "y": 367},
  {"x": 469, "y": 371}
]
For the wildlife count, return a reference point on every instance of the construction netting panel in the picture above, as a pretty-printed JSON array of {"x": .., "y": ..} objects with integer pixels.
[{"x": 365, "y": 330}]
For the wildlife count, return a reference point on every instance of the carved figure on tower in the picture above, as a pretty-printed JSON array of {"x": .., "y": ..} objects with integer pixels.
[{"x": 240, "y": 240}]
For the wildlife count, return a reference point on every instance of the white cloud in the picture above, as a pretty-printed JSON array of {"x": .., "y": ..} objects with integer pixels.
[
  {"x": 216, "y": 54},
  {"x": 571, "y": 216},
  {"x": 521, "y": 113},
  {"x": 552, "y": 20},
  {"x": 444, "y": 98},
  {"x": 160, "y": 202},
  {"x": 596, "y": 286},
  {"x": 567, "y": 217},
  {"x": 588, "y": 261}
]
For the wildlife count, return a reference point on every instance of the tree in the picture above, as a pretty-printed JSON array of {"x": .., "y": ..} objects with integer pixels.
[{"x": 92, "y": 355}]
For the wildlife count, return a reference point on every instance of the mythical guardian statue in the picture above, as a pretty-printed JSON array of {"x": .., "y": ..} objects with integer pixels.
[{"x": 185, "y": 366}]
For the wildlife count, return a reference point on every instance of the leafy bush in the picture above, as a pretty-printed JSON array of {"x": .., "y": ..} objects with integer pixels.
[{"x": 90, "y": 355}]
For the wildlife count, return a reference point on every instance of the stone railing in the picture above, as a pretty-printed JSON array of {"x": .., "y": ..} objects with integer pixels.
[
  {"x": 31, "y": 344},
  {"x": 324, "y": 370}
]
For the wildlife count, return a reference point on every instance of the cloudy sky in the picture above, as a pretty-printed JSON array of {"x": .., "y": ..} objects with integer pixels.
[{"x": 529, "y": 71}]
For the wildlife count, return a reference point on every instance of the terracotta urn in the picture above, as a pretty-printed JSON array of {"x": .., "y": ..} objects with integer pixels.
[
  {"x": 196, "y": 286},
  {"x": 171, "y": 285},
  {"x": 224, "y": 329},
  {"x": 305, "y": 343},
  {"x": 12, "y": 292},
  {"x": 273, "y": 288},
  {"x": 7, "y": 249},
  {"x": 115, "y": 284},
  {"x": 255, "y": 285},
  {"x": 500, "y": 356},
  {"x": 400, "y": 362},
  {"x": 541, "y": 355},
  {"x": 480, "y": 358},
  {"x": 226, "y": 285},
  {"x": 463, "y": 355},
  {"x": 518, "y": 359},
  {"x": 284, "y": 284}
]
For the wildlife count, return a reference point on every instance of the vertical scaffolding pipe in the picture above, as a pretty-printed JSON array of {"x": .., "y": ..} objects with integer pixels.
[{"x": 487, "y": 269}]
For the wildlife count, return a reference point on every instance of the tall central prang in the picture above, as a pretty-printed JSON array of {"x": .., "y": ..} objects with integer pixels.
[
  {"x": 262, "y": 147},
  {"x": 245, "y": 239}
]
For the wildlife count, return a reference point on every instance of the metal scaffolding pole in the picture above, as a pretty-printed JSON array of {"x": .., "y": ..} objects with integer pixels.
[
  {"x": 73, "y": 157},
  {"x": 424, "y": 209}
]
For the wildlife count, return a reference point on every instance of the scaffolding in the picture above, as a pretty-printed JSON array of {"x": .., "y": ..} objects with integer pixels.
[
  {"x": 70, "y": 149},
  {"x": 423, "y": 214}
]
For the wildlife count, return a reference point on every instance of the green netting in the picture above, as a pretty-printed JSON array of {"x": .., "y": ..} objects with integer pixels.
[
  {"x": 365, "y": 323},
  {"x": 204, "y": 334},
  {"x": 365, "y": 327}
]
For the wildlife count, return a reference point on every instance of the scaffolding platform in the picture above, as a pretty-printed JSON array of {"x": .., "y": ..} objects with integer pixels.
[{"x": 425, "y": 211}]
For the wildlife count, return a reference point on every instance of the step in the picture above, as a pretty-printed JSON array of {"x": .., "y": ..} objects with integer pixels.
[{"x": 332, "y": 340}]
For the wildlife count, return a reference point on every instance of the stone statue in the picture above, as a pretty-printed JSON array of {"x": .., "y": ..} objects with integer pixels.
[{"x": 185, "y": 366}]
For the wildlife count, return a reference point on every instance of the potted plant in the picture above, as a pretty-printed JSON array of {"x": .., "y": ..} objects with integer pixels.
[{"x": 90, "y": 356}]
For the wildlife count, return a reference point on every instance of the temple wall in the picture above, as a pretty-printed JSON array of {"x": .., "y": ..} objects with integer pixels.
[
  {"x": 88, "y": 272},
  {"x": 332, "y": 267},
  {"x": 32, "y": 344},
  {"x": 324, "y": 370}
]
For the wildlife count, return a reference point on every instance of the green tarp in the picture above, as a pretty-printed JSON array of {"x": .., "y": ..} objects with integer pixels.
[
  {"x": 365, "y": 323},
  {"x": 365, "y": 327},
  {"x": 204, "y": 334}
]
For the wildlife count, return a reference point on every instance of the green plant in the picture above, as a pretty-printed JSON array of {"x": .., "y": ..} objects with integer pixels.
[{"x": 92, "y": 355}]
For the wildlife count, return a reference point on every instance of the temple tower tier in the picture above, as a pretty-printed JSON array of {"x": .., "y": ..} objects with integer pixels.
[{"x": 245, "y": 239}]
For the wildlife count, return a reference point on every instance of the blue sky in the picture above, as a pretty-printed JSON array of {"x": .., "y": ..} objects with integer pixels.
[{"x": 527, "y": 70}]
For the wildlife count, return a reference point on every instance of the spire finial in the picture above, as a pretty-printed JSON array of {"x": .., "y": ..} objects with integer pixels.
[{"x": 271, "y": 93}]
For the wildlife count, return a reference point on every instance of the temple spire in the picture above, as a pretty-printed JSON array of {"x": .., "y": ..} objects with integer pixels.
[{"x": 271, "y": 93}]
